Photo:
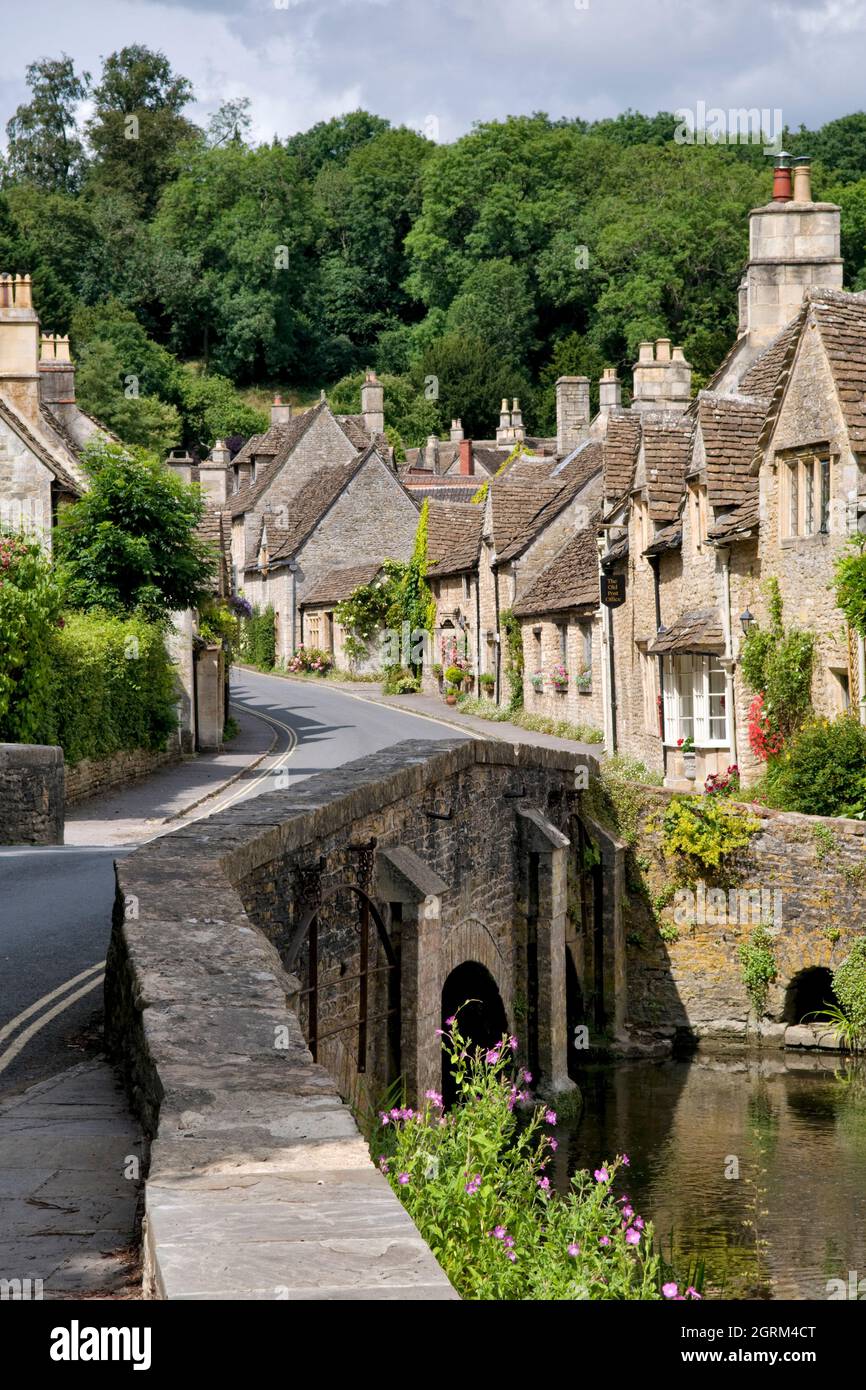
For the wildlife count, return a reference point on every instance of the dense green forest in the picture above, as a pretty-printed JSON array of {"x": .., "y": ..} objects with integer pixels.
[{"x": 189, "y": 264}]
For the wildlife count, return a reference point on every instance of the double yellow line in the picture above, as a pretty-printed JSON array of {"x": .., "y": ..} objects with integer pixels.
[{"x": 92, "y": 977}]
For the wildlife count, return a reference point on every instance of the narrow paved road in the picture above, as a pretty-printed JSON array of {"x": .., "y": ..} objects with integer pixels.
[{"x": 55, "y": 904}]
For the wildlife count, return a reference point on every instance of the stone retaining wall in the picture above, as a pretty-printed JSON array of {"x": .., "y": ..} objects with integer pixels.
[
  {"x": 94, "y": 775},
  {"x": 31, "y": 794},
  {"x": 812, "y": 871}
]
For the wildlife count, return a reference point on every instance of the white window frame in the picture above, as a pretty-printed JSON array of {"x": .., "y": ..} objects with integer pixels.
[{"x": 695, "y": 686}]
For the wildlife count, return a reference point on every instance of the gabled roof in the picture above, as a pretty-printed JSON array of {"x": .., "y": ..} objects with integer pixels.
[
  {"x": 841, "y": 320},
  {"x": 567, "y": 478},
  {"x": 453, "y": 538},
  {"x": 278, "y": 443},
  {"x": 697, "y": 631},
  {"x": 666, "y": 452},
  {"x": 340, "y": 584},
  {"x": 763, "y": 375},
  {"x": 18, "y": 424},
  {"x": 730, "y": 427},
  {"x": 621, "y": 444},
  {"x": 569, "y": 581},
  {"x": 316, "y": 497},
  {"x": 513, "y": 506}
]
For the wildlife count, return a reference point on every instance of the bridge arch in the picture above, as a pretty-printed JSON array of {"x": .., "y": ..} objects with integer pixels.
[
  {"x": 808, "y": 991},
  {"x": 471, "y": 989}
]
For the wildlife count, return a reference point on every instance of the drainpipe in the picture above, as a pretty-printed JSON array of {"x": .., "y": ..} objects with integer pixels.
[
  {"x": 861, "y": 676},
  {"x": 497, "y": 636},
  {"x": 728, "y": 663},
  {"x": 655, "y": 566},
  {"x": 478, "y": 635},
  {"x": 608, "y": 685},
  {"x": 293, "y": 570}
]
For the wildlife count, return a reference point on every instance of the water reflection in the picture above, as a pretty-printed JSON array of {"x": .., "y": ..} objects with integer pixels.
[{"x": 790, "y": 1131}]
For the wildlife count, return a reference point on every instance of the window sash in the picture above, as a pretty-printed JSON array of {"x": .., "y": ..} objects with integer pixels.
[{"x": 695, "y": 704}]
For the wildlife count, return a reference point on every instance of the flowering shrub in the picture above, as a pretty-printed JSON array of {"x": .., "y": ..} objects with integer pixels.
[
  {"x": 559, "y": 677},
  {"x": 765, "y": 740},
  {"x": 311, "y": 659},
  {"x": 240, "y": 606},
  {"x": 705, "y": 832},
  {"x": 475, "y": 1183},
  {"x": 727, "y": 785}
]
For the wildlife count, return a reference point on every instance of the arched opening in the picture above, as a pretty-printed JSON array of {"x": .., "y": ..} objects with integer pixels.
[
  {"x": 809, "y": 991},
  {"x": 482, "y": 1021}
]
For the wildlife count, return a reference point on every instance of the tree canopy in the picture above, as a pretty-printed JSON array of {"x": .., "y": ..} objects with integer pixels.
[{"x": 202, "y": 263}]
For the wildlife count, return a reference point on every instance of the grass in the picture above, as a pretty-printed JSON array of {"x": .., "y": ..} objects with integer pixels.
[
  {"x": 533, "y": 723},
  {"x": 631, "y": 770},
  {"x": 335, "y": 674}
]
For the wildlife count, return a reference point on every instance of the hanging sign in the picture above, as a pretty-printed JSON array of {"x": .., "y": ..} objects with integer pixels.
[{"x": 612, "y": 590}]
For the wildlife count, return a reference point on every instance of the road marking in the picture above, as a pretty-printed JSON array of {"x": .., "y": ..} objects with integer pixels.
[
  {"x": 13, "y": 1023},
  {"x": 7, "y": 1057},
  {"x": 247, "y": 790}
]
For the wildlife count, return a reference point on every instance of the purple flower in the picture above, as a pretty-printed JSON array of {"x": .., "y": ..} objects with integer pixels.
[
  {"x": 638, "y": 1221},
  {"x": 625, "y": 1161},
  {"x": 554, "y": 1144},
  {"x": 574, "y": 1248},
  {"x": 691, "y": 1292},
  {"x": 473, "y": 1185},
  {"x": 604, "y": 1240},
  {"x": 669, "y": 1290},
  {"x": 510, "y": 1255},
  {"x": 509, "y": 1241},
  {"x": 449, "y": 1022},
  {"x": 512, "y": 1043},
  {"x": 543, "y": 1183},
  {"x": 383, "y": 1117},
  {"x": 601, "y": 1175},
  {"x": 403, "y": 1179},
  {"x": 550, "y": 1117},
  {"x": 438, "y": 1033},
  {"x": 499, "y": 1232},
  {"x": 396, "y": 1114},
  {"x": 632, "y": 1237},
  {"x": 435, "y": 1097},
  {"x": 492, "y": 1057},
  {"x": 628, "y": 1211},
  {"x": 527, "y": 1077},
  {"x": 383, "y": 1163}
]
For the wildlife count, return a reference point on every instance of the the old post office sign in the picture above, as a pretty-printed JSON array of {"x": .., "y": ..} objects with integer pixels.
[{"x": 612, "y": 590}]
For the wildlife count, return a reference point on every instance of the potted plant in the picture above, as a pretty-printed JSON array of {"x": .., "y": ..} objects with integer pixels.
[
  {"x": 687, "y": 748},
  {"x": 583, "y": 681},
  {"x": 559, "y": 678},
  {"x": 454, "y": 678},
  {"x": 537, "y": 682},
  {"x": 487, "y": 682}
]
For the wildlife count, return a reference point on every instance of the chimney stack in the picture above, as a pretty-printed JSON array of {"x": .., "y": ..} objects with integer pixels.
[
  {"x": 181, "y": 464},
  {"x": 19, "y": 344},
  {"x": 518, "y": 433},
  {"x": 280, "y": 414},
  {"x": 572, "y": 412},
  {"x": 803, "y": 179},
  {"x": 467, "y": 466},
  {"x": 609, "y": 391},
  {"x": 56, "y": 371},
  {"x": 794, "y": 246},
  {"x": 662, "y": 380},
  {"x": 431, "y": 453},
  {"x": 456, "y": 431},
  {"x": 214, "y": 475},
  {"x": 373, "y": 404}
]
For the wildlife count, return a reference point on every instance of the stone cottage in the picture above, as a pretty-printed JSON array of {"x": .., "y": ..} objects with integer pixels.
[{"x": 762, "y": 475}]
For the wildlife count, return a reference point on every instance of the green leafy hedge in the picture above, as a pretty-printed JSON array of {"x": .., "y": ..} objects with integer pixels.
[
  {"x": 258, "y": 641},
  {"x": 113, "y": 686}
]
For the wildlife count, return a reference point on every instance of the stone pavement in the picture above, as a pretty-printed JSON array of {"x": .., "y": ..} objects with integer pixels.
[
  {"x": 142, "y": 809},
  {"x": 67, "y": 1210}
]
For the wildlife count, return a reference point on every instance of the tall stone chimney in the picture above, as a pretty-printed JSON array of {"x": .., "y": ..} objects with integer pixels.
[
  {"x": 572, "y": 412},
  {"x": 456, "y": 431},
  {"x": 280, "y": 414},
  {"x": 19, "y": 344},
  {"x": 662, "y": 378},
  {"x": 518, "y": 432},
  {"x": 214, "y": 475},
  {"x": 56, "y": 370},
  {"x": 373, "y": 404},
  {"x": 431, "y": 452},
  {"x": 181, "y": 464},
  {"x": 609, "y": 391},
  {"x": 793, "y": 247},
  {"x": 503, "y": 429}
]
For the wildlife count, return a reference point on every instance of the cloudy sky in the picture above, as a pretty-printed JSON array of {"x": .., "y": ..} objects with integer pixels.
[{"x": 457, "y": 61}]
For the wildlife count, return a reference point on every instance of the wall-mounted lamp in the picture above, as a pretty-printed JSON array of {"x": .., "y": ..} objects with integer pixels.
[{"x": 746, "y": 621}]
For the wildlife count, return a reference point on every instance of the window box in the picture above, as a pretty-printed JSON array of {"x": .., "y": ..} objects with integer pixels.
[
  {"x": 559, "y": 679},
  {"x": 537, "y": 682}
]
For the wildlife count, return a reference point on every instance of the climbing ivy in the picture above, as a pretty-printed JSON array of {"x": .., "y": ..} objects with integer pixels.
[
  {"x": 510, "y": 625},
  {"x": 850, "y": 583},
  {"x": 849, "y": 986},
  {"x": 400, "y": 596},
  {"x": 758, "y": 961},
  {"x": 777, "y": 665}
]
